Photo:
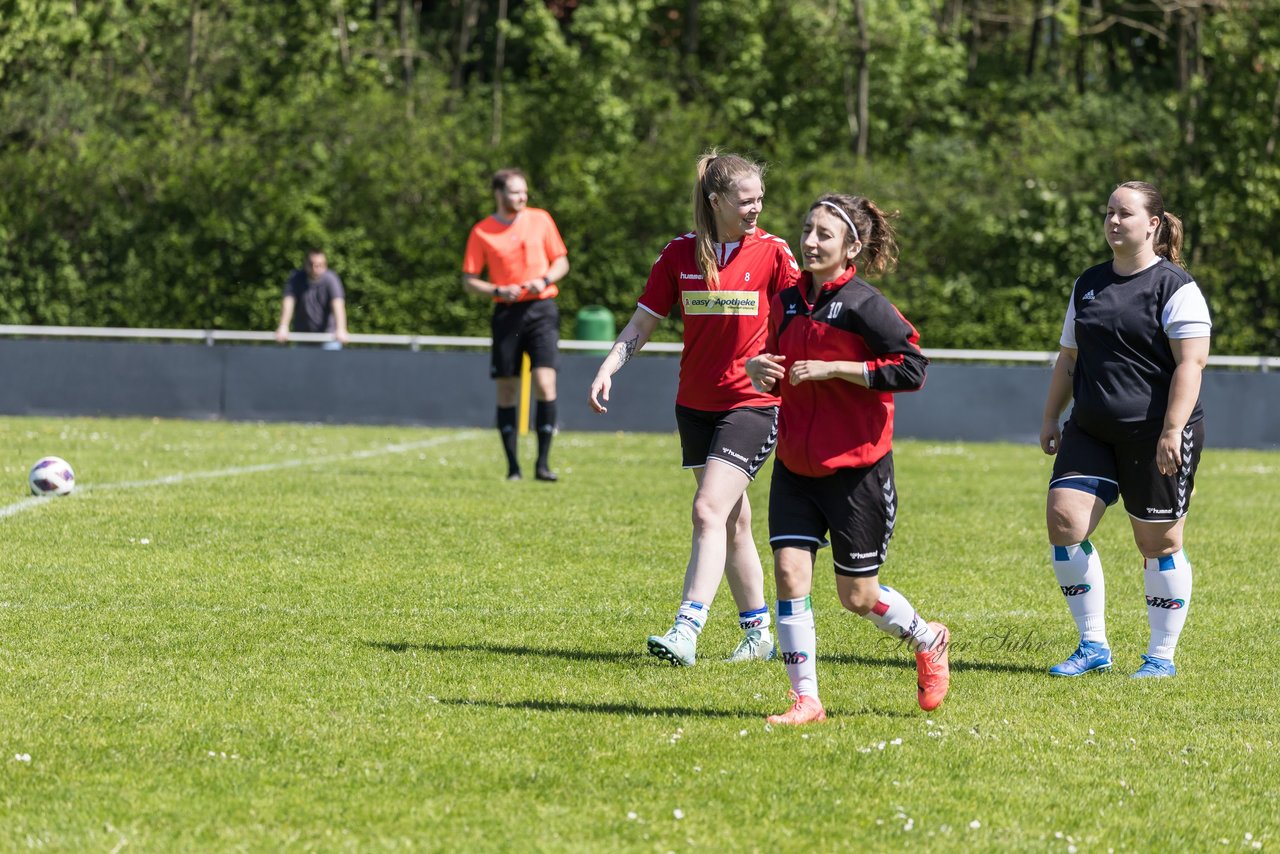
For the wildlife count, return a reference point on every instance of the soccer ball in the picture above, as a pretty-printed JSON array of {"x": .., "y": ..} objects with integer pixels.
[{"x": 52, "y": 476}]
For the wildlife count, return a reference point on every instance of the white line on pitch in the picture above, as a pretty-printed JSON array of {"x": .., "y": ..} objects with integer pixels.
[
  {"x": 167, "y": 480},
  {"x": 24, "y": 504}
]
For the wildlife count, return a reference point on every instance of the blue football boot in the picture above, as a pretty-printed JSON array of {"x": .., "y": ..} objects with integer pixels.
[
  {"x": 1088, "y": 657},
  {"x": 1154, "y": 668}
]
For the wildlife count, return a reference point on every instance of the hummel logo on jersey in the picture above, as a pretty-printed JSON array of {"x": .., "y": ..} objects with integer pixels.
[
  {"x": 791, "y": 308},
  {"x": 1088, "y": 295},
  {"x": 697, "y": 276}
]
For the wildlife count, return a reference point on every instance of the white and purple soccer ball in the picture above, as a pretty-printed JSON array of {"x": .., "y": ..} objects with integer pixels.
[{"x": 52, "y": 476}]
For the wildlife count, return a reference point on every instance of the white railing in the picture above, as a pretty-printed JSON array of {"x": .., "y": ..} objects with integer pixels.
[{"x": 417, "y": 342}]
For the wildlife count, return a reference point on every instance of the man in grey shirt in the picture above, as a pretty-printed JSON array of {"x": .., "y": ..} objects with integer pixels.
[{"x": 314, "y": 302}]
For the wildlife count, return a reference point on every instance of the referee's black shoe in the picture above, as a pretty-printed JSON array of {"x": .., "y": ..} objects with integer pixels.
[{"x": 546, "y": 474}]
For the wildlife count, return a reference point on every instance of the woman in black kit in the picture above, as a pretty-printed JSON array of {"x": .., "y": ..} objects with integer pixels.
[{"x": 1134, "y": 344}]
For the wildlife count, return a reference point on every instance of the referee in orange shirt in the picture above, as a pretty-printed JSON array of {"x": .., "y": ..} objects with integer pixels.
[{"x": 525, "y": 257}]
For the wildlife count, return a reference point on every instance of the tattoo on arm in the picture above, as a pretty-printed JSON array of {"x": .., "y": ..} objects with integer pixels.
[{"x": 626, "y": 349}]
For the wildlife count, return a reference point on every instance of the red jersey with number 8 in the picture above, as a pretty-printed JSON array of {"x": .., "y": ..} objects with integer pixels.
[{"x": 725, "y": 325}]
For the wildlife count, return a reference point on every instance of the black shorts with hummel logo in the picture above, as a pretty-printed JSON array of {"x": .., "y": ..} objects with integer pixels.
[
  {"x": 1100, "y": 468},
  {"x": 857, "y": 505},
  {"x": 742, "y": 437}
]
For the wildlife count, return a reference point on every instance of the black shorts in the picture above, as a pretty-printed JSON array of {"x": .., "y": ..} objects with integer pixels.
[
  {"x": 1128, "y": 469},
  {"x": 524, "y": 327},
  {"x": 742, "y": 437},
  {"x": 857, "y": 505}
]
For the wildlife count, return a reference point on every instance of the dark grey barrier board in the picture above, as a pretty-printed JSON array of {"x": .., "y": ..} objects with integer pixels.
[
  {"x": 59, "y": 377},
  {"x": 452, "y": 389}
]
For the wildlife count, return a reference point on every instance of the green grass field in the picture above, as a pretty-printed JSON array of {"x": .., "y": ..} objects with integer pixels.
[{"x": 263, "y": 637}]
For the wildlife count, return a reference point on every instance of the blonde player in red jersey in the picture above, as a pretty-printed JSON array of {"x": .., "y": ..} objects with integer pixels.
[{"x": 722, "y": 276}]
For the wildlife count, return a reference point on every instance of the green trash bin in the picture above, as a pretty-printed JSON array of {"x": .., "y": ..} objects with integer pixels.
[{"x": 595, "y": 323}]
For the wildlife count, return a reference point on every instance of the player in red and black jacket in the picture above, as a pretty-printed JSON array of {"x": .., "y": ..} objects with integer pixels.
[
  {"x": 837, "y": 351},
  {"x": 825, "y": 426}
]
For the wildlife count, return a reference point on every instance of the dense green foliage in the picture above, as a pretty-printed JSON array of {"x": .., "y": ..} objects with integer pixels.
[
  {"x": 247, "y": 637},
  {"x": 165, "y": 164}
]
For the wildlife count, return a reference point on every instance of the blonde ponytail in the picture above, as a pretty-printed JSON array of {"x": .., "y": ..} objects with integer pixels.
[{"x": 717, "y": 173}]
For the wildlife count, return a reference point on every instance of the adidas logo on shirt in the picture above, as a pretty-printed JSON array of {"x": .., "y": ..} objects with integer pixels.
[{"x": 1088, "y": 295}]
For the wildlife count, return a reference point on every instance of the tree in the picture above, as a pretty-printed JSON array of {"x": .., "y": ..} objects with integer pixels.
[{"x": 164, "y": 164}]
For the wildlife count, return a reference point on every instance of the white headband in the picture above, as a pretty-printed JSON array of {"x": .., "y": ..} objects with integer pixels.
[{"x": 844, "y": 216}]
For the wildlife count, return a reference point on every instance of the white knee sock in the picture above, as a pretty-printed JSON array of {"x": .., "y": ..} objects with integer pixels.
[
  {"x": 692, "y": 616},
  {"x": 895, "y": 616},
  {"x": 757, "y": 619},
  {"x": 1079, "y": 572},
  {"x": 1168, "y": 585},
  {"x": 798, "y": 642}
]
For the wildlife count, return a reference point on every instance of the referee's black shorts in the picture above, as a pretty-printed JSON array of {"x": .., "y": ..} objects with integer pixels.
[{"x": 531, "y": 327}]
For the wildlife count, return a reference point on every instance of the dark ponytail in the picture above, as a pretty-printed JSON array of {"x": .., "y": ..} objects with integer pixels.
[
  {"x": 1169, "y": 231},
  {"x": 1169, "y": 238},
  {"x": 875, "y": 229}
]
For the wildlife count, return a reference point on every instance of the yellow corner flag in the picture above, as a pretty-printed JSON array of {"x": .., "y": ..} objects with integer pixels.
[{"x": 526, "y": 381}]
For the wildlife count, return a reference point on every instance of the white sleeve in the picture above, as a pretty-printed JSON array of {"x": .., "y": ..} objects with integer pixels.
[
  {"x": 1186, "y": 315},
  {"x": 1068, "y": 338}
]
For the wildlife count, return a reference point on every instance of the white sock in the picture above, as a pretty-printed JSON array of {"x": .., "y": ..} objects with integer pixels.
[
  {"x": 692, "y": 616},
  {"x": 798, "y": 642},
  {"x": 1168, "y": 585},
  {"x": 1079, "y": 572},
  {"x": 757, "y": 619},
  {"x": 894, "y": 616}
]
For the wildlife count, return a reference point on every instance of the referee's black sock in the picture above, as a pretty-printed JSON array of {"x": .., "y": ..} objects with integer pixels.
[
  {"x": 545, "y": 416},
  {"x": 507, "y": 430}
]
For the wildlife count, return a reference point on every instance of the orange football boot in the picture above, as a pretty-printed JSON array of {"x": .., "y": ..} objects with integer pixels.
[
  {"x": 804, "y": 710},
  {"x": 933, "y": 670}
]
